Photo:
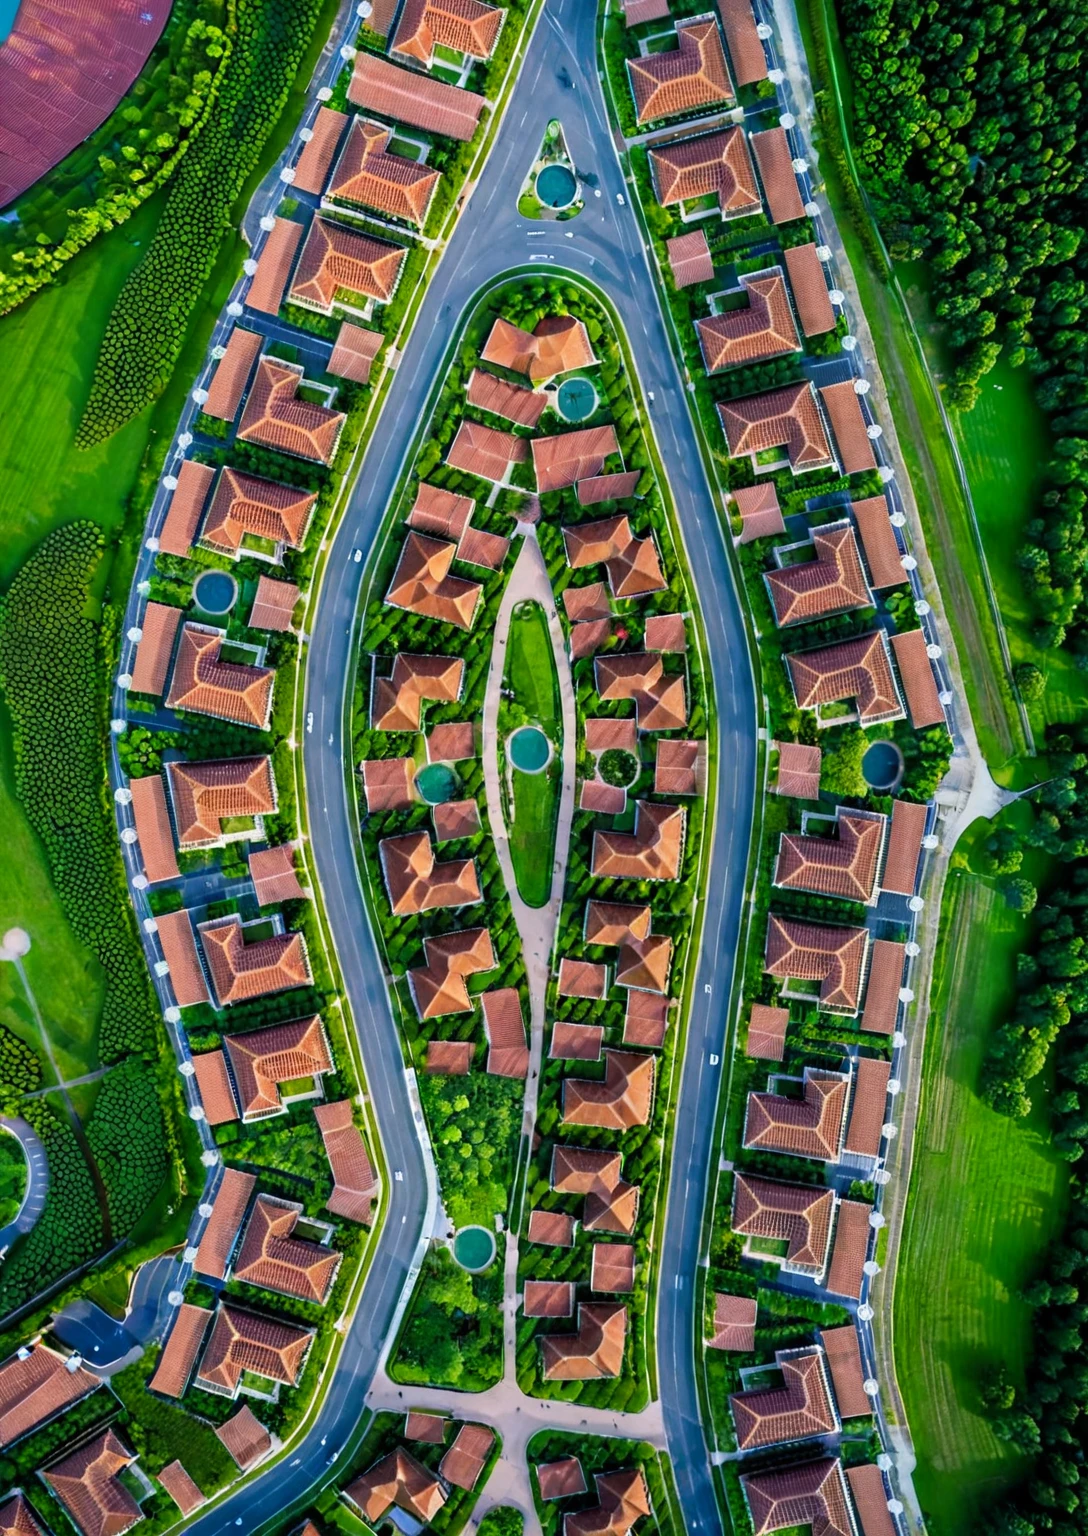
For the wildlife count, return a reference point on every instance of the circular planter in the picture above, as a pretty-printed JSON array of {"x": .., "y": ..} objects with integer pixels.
[
  {"x": 437, "y": 783},
  {"x": 474, "y": 1249}
]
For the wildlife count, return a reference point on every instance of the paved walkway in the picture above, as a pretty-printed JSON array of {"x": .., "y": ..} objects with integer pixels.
[{"x": 37, "y": 1180}]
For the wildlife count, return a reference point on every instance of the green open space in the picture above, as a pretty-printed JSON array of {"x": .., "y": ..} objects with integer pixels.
[{"x": 531, "y": 677}]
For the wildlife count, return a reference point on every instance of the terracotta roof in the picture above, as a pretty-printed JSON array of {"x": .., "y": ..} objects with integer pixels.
[
  {"x": 582, "y": 978},
  {"x": 800, "y": 1409},
  {"x": 785, "y": 418},
  {"x": 430, "y": 1428},
  {"x": 261, "y": 1059},
  {"x": 17, "y": 1518},
  {"x": 241, "y": 1341},
  {"x": 466, "y": 26},
  {"x": 879, "y": 542},
  {"x": 439, "y": 986},
  {"x": 850, "y": 1249},
  {"x": 416, "y": 883},
  {"x": 618, "y": 486},
  {"x": 583, "y": 604},
  {"x": 214, "y": 1086},
  {"x": 746, "y": 53},
  {"x": 265, "y": 508},
  {"x": 354, "y": 352},
  {"x": 807, "y": 279},
  {"x": 277, "y": 417},
  {"x": 666, "y": 632},
  {"x": 572, "y": 456},
  {"x": 712, "y": 165},
  {"x": 335, "y": 260},
  {"x": 272, "y": 871},
  {"x": 848, "y": 424},
  {"x": 449, "y": 1058},
  {"x": 605, "y": 732},
  {"x": 643, "y": 964},
  {"x": 763, "y": 329},
  {"x": 158, "y": 626},
  {"x": 812, "y": 1494},
  {"x": 622, "y": 1500},
  {"x": 180, "y": 1350},
  {"x": 845, "y": 865},
  {"x": 449, "y": 516},
  {"x": 381, "y": 16},
  {"x": 232, "y": 373},
  {"x": 35, "y": 1390},
  {"x": 397, "y": 700},
  {"x": 558, "y": 344},
  {"x": 368, "y": 174},
  {"x": 466, "y": 1458},
  {"x": 504, "y": 1026},
  {"x": 312, "y": 165},
  {"x": 767, "y": 1032},
  {"x": 588, "y": 638},
  {"x": 388, "y": 783},
  {"x": 919, "y": 684},
  {"x": 632, "y": 564},
  {"x": 882, "y": 993},
  {"x": 734, "y": 1323},
  {"x": 452, "y": 742},
  {"x": 422, "y": 583},
  {"x": 181, "y": 1488},
  {"x": 798, "y": 1215},
  {"x": 623, "y": 1098},
  {"x": 867, "y": 1110},
  {"x": 857, "y": 669},
  {"x": 904, "y": 848},
  {"x": 228, "y": 690},
  {"x": 772, "y": 152},
  {"x": 759, "y": 512},
  {"x": 245, "y": 1437},
  {"x": 613, "y": 1268},
  {"x": 273, "y": 605},
  {"x": 274, "y": 266},
  {"x": 832, "y": 582},
  {"x": 576, "y": 1042},
  {"x": 272, "y": 1257},
  {"x": 153, "y": 830},
  {"x": 654, "y": 851},
  {"x": 551, "y": 1229},
  {"x": 641, "y": 676},
  {"x": 204, "y": 795},
  {"x": 811, "y": 1126},
  {"x": 844, "y": 1362},
  {"x": 597, "y": 796},
  {"x": 88, "y": 1486},
  {"x": 413, "y": 98},
  {"x": 635, "y": 13},
  {"x": 397, "y": 1479},
  {"x": 175, "y": 931},
  {"x": 595, "y": 1351},
  {"x": 241, "y": 970},
  {"x": 611, "y": 1203},
  {"x": 186, "y": 508},
  {"x": 485, "y": 451},
  {"x": 561, "y": 1479},
  {"x": 690, "y": 260},
  {"x": 614, "y": 922},
  {"x": 871, "y": 1499},
  {"x": 355, "y": 1185},
  {"x": 798, "y": 770},
  {"x": 683, "y": 79},
  {"x": 833, "y": 956},
  {"x": 677, "y": 767},
  {"x": 224, "y": 1224},
  {"x": 487, "y": 392},
  {"x": 548, "y": 1298},
  {"x": 646, "y": 1019}
]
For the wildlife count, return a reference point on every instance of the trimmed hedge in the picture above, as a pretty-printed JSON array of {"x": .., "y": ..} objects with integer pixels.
[
  {"x": 128, "y": 1139},
  {"x": 20, "y": 1069}
]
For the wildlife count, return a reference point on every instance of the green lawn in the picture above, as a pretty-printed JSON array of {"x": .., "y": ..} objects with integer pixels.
[
  {"x": 530, "y": 674},
  {"x": 986, "y": 1196}
]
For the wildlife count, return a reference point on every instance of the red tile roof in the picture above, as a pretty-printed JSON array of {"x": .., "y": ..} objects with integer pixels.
[
  {"x": 734, "y": 1323},
  {"x": 659, "y": 697},
  {"x": 277, "y": 417},
  {"x": 772, "y": 152},
  {"x": 683, "y": 79},
  {"x": 399, "y": 1479},
  {"x": 844, "y": 1362},
  {"x": 273, "y": 605},
  {"x": 504, "y": 1026},
  {"x": 451, "y": 743},
  {"x": 153, "y": 830},
  {"x": 879, "y": 542},
  {"x": 272, "y": 1257},
  {"x": 604, "y": 732},
  {"x": 611, "y": 1203},
  {"x": 397, "y": 701},
  {"x": 798, "y": 770},
  {"x": 635, "y": 13},
  {"x": 180, "y": 1350},
  {"x": 88, "y": 1486},
  {"x": 485, "y": 451},
  {"x": 548, "y": 1298},
  {"x": 228, "y": 690},
  {"x": 613, "y": 1268},
  {"x": 558, "y": 344},
  {"x": 466, "y": 1458},
  {"x": 763, "y": 329},
  {"x": 186, "y": 508},
  {"x": 850, "y": 1249},
  {"x": 422, "y": 583},
  {"x": 582, "y": 978},
  {"x": 272, "y": 871},
  {"x": 711, "y": 165},
  {"x": 354, "y": 352},
  {"x": 785, "y": 418},
  {"x": 832, "y": 582},
  {"x": 261, "y": 1059},
  {"x": 448, "y": 516},
  {"x": 576, "y": 1042},
  {"x": 355, "y": 1185},
  {"x": 654, "y": 851},
  {"x": 677, "y": 767},
  {"x": 919, "y": 684},
  {"x": 800, "y": 1409},
  {"x": 204, "y": 795},
  {"x": 616, "y": 922},
  {"x": 551, "y": 1229},
  {"x": 35, "y": 1390},
  {"x": 561, "y": 1479},
  {"x": 181, "y": 1488},
  {"x": 745, "y": 46},
  {"x": 808, "y": 281},
  {"x": 882, "y": 993},
  {"x": 415, "y": 882},
  {"x": 214, "y": 1085},
  {"x": 335, "y": 259},
  {"x": 622, "y": 1500},
  {"x": 312, "y": 165},
  {"x": 466, "y": 26},
  {"x": 369, "y": 174},
  {"x": 410, "y": 97},
  {"x": 242, "y": 1341},
  {"x": 594, "y": 1352},
  {"x": 632, "y": 564},
  {"x": 811, "y": 1126},
  {"x": 158, "y": 626},
  {"x": 835, "y": 957},
  {"x": 619, "y": 486},
  {"x": 849, "y": 427},
  {"x": 274, "y": 266},
  {"x": 175, "y": 931},
  {"x": 388, "y": 783},
  {"x": 845, "y": 865},
  {"x": 245, "y": 1437},
  {"x": 690, "y": 260},
  {"x": 449, "y": 1058},
  {"x": 487, "y": 392},
  {"x": 439, "y": 987},
  {"x": 812, "y": 1494},
  {"x": 759, "y": 512},
  {"x": 224, "y": 1224},
  {"x": 381, "y": 16},
  {"x": 232, "y": 374},
  {"x": 587, "y": 639},
  {"x": 241, "y": 970},
  {"x": 767, "y": 1032},
  {"x": 455, "y": 819},
  {"x": 798, "y": 1215},
  {"x": 622, "y": 1099},
  {"x": 646, "y": 1019},
  {"x": 871, "y": 1500},
  {"x": 572, "y": 456},
  {"x": 430, "y": 1428},
  {"x": 904, "y": 848},
  {"x": 666, "y": 632},
  {"x": 245, "y": 504},
  {"x": 857, "y": 669}
]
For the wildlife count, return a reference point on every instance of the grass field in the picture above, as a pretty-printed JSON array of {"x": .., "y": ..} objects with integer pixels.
[{"x": 530, "y": 674}]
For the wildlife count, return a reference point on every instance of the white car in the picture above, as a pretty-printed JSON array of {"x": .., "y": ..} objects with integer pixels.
[
  {"x": 621, "y": 200},
  {"x": 309, "y": 721},
  {"x": 357, "y": 556}
]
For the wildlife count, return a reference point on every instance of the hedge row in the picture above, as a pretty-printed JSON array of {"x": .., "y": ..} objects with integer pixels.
[
  {"x": 49, "y": 671},
  {"x": 20, "y": 1069},
  {"x": 127, "y": 1136}
]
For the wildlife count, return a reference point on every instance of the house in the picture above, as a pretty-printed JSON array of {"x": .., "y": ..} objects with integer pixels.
[
  {"x": 870, "y": 1494},
  {"x": 809, "y": 284},
  {"x": 248, "y": 512},
  {"x": 422, "y": 583},
  {"x": 916, "y": 673},
  {"x": 713, "y": 165},
  {"x": 632, "y": 564},
  {"x": 452, "y": 742},
  {"x": 811, "y": 1126},
  {"x": 486, "y": 452},
  {"x": 622, "y": 1500},
  {"x": 678, "y": 767},
  {"x": 178, "y": 942},
  {"x": 413, "y": 98},
  {"x": 456, "y": 819},
  {"x": 850, "y": 1250},
  {"x": 354, "y": 352},
  {"x": 831, "y": 582},
  {"x": 87, "y": 1483},
  {"x": 654, "y": 850},
  {"x": 575, "y": 1042},
  {"x": 397, "y": 701},
  {"x": 858, "y": 669},
  {"x": 799, "y": 1216},
  {"x": 245, "y": 1438},
  {"x": 388, "y": 783},
  {"x": 683, "y": 79},
  {"x": 798, "y": 770},
  {"x": 399, "y": 1480},
  {"x": 464, "y": 1462},
  {"x": 512, "y": 402},
  {"x": 620, "y": 485},
  {"x": 843, "y": 1356},
  {"x": 885, "y": 982},
  {"x": 757, "y": 331},
  {"x": 635, "y": 12},
  {"x": 842, "y": 404},
  {"x": 215, "y": 1087},
  {"x": 594, "y": 1352},
  {"x": 204, "y": 684},
  {"x": 449, "y": 1058},
  {"x": 261, "y": 1059},
  {"x": 336, "y": 261},
  {"x": 179, "y": 1353},
  {"x": 439, "y": 987},
  {"x": 786, "y": 418},
  {"x": 504, "y": 1026},
  {"x": 572, "y": 456},
  {"x": 767, "y": 1032},
  {"x": 835, "y": 957},
  {"x": 269, "y": 283},
  {"x": 240, "y": 970},
  {"x": 551, "y": 1229},
  {"x": 220, "y": 1236},
  {"x": 689, "y": 258},
  {"x": 278, "y": 416},
  {"x": 734, "y": 1323},
  {"x": 355, "y": 1185},
  {"x": 206, "y": 797},
  {"x": 611, "y": 1203},
  {"x": 800, "y": 1409},
  {"x": 272, "y": 871},
  {"x": 613, "y": 1268},
  {"x": 772, "y": 151},
  {"x": 746, "y": 52},
  {"x": 318, "y": 152},
  {"x": 369, "y": 175},
  {"x": 445, "y": 515},
  {"x": 274, "y": 605},
  {"x": 244, "y": 1341},
  {"x": 186, "y": 508},
  {"x": 659, "y": 697},
  {"x": 904, "y": 847},
  {"x": 415, "y": 883},
  {"x": 464, "y": 26},
  {"x": 560, "y": 1479},
  {"x": 845, "y": 865},
  {"x": 622, "y": 1099},
  {"x": 557, "y": 344},
  {"x": 158, "y": 629},
  {"x": 151, "y": 818},
  {"x": 644, "y": 957},
  {"x": 426, "y": 1428},
  {"x": 232, "y": 373},
  {"x": 759, "y": 512},
  {"x": 181, "y": 1488},
  {"x": 272, "y": 1257},
  {"x": 811, "y": 1494},
  {"x": 879, "y": 543},
  {"x": 36, "y": 1385},
  {"x": 646, "y": 1019}
]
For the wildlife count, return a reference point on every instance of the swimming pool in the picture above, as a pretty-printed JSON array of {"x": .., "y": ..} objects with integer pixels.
[
  {"x": 215, "y": 591},
  {"x": 474, "y": 1248},
  {"x": 529, "y": 749},
  {"x": 882, "y": 765},
  {"x": 556, "y": 186},
  {"x": 576, "y": 399},
  {"x": 437, "y": 783}
]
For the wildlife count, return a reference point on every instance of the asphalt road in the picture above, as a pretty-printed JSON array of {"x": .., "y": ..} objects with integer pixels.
[{"x": 558, "y": 79}]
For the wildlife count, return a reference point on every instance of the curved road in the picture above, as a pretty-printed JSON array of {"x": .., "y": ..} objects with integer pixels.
[{"x": 558, "y": 79}]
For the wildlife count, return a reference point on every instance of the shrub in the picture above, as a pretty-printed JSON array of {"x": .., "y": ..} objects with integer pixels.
[
  {"x": 127, "y": 1137},
  {"x": 20, "y": 1069},
  {"x": 618, "y": 768},
  {"x": 1030, "y": 682}
]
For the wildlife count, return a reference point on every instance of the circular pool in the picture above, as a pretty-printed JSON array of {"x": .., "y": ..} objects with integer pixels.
[
  {"x": 215, "y": 591},
  {"x": 437, "y": 783},
  {"x": 882, "y": 765},
  {"x": 576, "y": 399},
  {"x": 529, "y": 749},
  {"x": 556, "y": 186},
  {"x": 474, "y": 1248}
]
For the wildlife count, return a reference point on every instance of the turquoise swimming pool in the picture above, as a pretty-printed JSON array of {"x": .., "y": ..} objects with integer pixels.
[
  {"x": 556, "y": 186},
  {"x": 529, "y": 749},
  {"x": 576, "y": 399},
  {"x": 474, "y": 1248}
]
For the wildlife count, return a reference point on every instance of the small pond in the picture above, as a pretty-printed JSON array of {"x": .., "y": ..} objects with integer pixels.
[
  {"x": 576, "y": 399},
  {"x": 882, "y": 765},
  {"x": 529, "y": 749},
  {"x": 215, "y": 591},
  {"x": 474, "y": 1248},
  {"x": 437, "y": 783},
  {"x": 556, "y": 186}
]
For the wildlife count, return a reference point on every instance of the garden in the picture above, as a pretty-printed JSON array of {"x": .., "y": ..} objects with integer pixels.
[{"x": 530, "y": 751}]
